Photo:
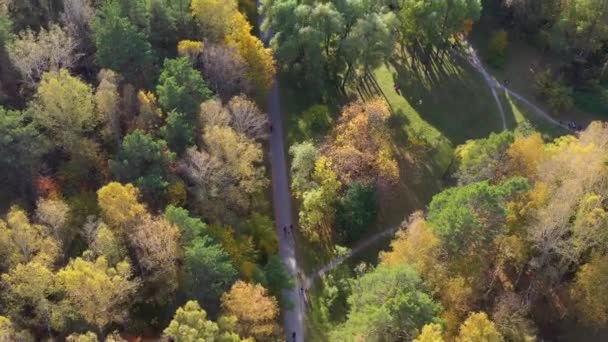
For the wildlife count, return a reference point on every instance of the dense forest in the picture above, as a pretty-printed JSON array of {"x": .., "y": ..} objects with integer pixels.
[{"x": 447, "y": 161}]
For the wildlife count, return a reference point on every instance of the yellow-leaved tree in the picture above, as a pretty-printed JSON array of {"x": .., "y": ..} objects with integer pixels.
[
  {"x": 119, "y": 204},
  {"x": 256, "y": 311}
]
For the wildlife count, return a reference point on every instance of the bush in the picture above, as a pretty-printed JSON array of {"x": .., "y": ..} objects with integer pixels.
[
  {"x": 315, "y": 122},
  {"x": 553, "y": 90},
  {"x": 356, "y": 210},
  {"x": 594, "y": 101},
  {"x": 497, "y": 48}
]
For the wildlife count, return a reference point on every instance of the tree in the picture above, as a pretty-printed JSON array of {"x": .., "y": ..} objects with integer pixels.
[
  {"x": 225, "y": 70},
  {"x": 261, "y": 228},
  {"x": 86, "y": 337},
  {"x": 259, "y": 59},
  {"x": 229, "y": 170},
  {"x": 583, "y": 24},
  {"x": 119, "y": 204},
  {"x": 33, "y": 54},
  {"x": 468, "y": 218},
  {"x": 317, "y": 212},
  {"x": 162, "y": 28},
  {"x": 483, "y": 159},
  {"x": 55, "y": 213},
  {"x": 525, "y": 155},
  {"x": 190, "y": 228},
  {"x": 178, "y": 132},
  {"x": 77, "y": 16},
  {"x": 247, "y": 118},
  {"x": 319, "y": 40},
  {"x": 430, "y": 333},
  {"x": 213, "y": 17},
  {"x": 304, "y": 156},
  {"x": 478, "y": 328},
  {"x": 591, "y": 281},
  {"x": 255, "y": 310},
  {"x": 145, "y": 162},
  {"x": 209, "y": 271},
  {"x": 181, "y": 87},
  {"x": 22, "y": 242},
  {"x": 119, "y": 45},
  {"x": 29, "y": 288},
  {"x": 190, "y": 324},
  {"x": 387, "y": 304},
  {"x": 356, "y": 211},
  {"x": 9, "y": 332},
  {"x": 64, "y": 108},
  {"x": 107, "y": 100},
  {"x": 360, "y": 149},
  {"x": 277, "y": 279},
  {"x": 108, "y": 244},
  {"x": 415, "y": 245},
  {"x": 21, "y": 145},
  {"x": 100, "y": 293},
  {"x": 156, "y": 245},
  {"x": 315, "y": 122}
]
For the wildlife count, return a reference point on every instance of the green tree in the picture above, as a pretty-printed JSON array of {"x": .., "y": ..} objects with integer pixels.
[
  {"x": 315, "y": 122},
  {"x": 304, "y": 156},
  {"x": 21, "y": 145},
  {"x": 387, "y": 304},
  {"x": 584, "y": 26},
  {"x": 162, "y": 28},
  {"x": 63, "y": 108},
  {"x": 261, "y": 228},
  {"x": 178, "y": 132},
  {"x": 468, "y": 218},
  {"x": 119, "y": 45},
  {"x": 181, "y": 87},
  {"x": 209, "y": 271},
  {"x": 356, "y": 211},
  {"x": 190, "y": 227},
  {"x": 145, "y": 162},
  {"x": 277, "y": 278}
]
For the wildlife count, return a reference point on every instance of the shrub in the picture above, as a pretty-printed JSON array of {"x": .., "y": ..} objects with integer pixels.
[
  {"x": 553, "y": 90},
  {"x": 315, "y": 122}
]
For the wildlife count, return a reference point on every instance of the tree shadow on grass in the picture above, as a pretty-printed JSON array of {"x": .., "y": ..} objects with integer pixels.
[{"x": 450, "y": 96}]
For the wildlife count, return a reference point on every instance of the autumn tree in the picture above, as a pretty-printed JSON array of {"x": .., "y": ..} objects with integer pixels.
[
  {"x": 483, "y": 159},
  {"x": 22, "y": 241},
  {"x": 591, "y": 280},
  {"x": 77, "y": 17},
  {"x": 478, "y": 328},
  {"x": 101, "y": 294},
  {"x": 190, "y": 323},
  {"x": 156, "y": 245},
  {"x": 213, "y": 17},
  {"x": 430, "y": 333},
  {"x": 64, "y": 108},
  {"x": 225, "y": 70},
  {"x": 361, "y": 149},
  {"x": 107, "y": 101},
  {"x": 119, "y": 204},
  {"x": 230, "y": 169},
  {"x": 10, "y": 332},
  {"x": 317, "y": 213},
  {"x": 108, "y": 243},
  {"x": 30, "y": 288},
  {"x": 54, "y": 213},
  {"x": 33, "y": 53},
  {"x": 247, "y": 118},
  {"x": 255, "y": 310}
]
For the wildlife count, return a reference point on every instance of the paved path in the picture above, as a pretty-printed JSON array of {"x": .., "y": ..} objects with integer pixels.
[
  {"x": 473, "y": 59},
  {"x": 360, "y": 247},
  {"x": 293, "y": 319}
]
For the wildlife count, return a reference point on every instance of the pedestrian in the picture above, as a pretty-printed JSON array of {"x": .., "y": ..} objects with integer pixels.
[
  {"x": 397, "y": 88},
  {"x": 293, "y": 335},
  {"x": 285, "y": 230},
  {"x": 291, "y": 228},
  {"x": 270, "y": 126}
]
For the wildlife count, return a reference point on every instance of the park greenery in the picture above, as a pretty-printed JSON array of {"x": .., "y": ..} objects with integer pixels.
[{"x": 136, "y": 187}]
